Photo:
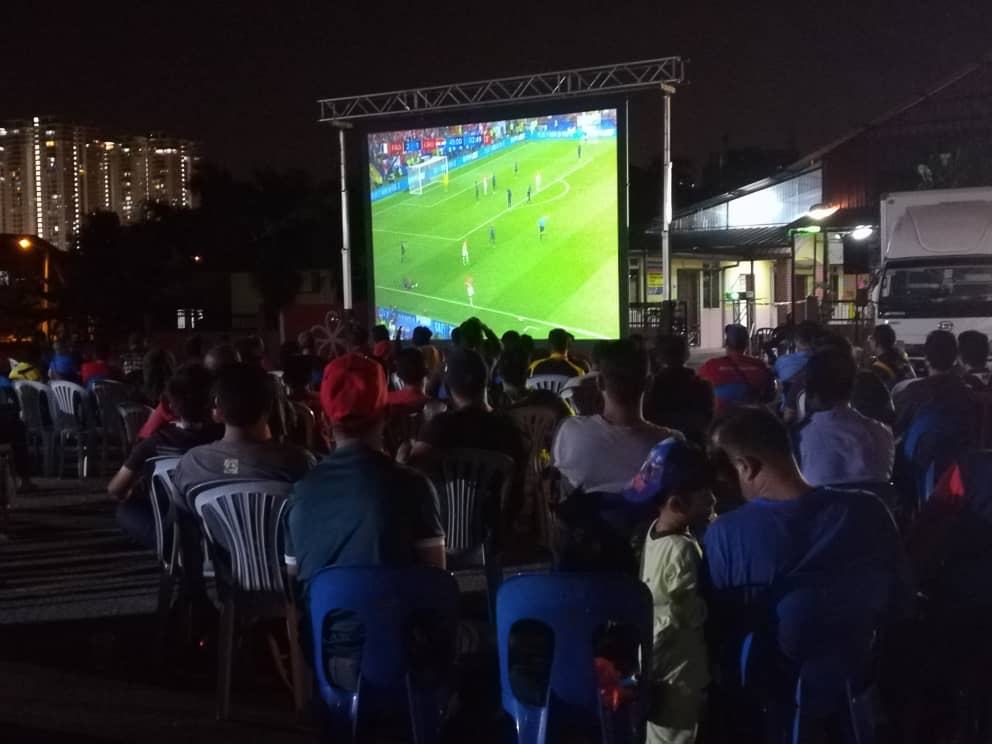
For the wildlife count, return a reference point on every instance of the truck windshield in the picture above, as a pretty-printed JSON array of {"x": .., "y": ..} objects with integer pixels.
[{"x": 950, "y": 288}]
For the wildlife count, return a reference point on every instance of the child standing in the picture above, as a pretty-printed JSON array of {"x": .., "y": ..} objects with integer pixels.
[{"x": 675, "y": 477}]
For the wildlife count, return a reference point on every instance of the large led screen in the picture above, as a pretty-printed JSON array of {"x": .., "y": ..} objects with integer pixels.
[{"x": 512, "y": 221}]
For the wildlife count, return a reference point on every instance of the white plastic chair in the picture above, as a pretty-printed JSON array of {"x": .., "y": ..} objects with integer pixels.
[
  {"x": 243, "y": 526},
  {"x": 73, "y": 417},
  {"x": 162, "y": 493},
  {"x": 36, "y": 414},
  {"x": 554, "y": 383}
]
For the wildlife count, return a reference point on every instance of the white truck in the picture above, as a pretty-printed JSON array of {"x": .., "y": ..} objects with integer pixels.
[{"x": 936, "y": 264}]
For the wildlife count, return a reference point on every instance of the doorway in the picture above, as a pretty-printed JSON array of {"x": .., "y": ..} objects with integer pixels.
[{"x": 687, "y": 286}]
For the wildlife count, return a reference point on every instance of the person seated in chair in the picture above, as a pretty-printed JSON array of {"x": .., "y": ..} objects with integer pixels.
[
  {"x": 677, "y": 396},
  {"x": 357, "y": 507},
  {"x": 602, "y": 452},
  {"x": 471, "y": 425},
  {"x": 557, "y": 361},
  {"x": 838, "y": 445},
  {"x": 63, "y": 365},
  {"x": 188, "y": 398},
  {"x": 790, "y": 539},
  {"x": 245, "y": 395},
  {"x": 974, "y": 349},
  {"x": 941, "y": 388},
  {"x": 412, "y": 373},
  {"x": 512, "y": 369}
]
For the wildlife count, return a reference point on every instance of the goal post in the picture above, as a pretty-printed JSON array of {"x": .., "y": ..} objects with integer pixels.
[{"x": 426, "y": 173}]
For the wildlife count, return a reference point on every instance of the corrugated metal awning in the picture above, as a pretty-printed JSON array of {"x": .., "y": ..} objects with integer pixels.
[{"x": 744, "y": 243}]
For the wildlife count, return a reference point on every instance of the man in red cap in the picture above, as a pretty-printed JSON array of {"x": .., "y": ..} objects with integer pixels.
[{"x": 358, "y": 507}]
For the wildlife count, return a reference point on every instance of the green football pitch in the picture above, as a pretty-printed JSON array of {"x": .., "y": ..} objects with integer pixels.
[{"x": 567, "y": 279}]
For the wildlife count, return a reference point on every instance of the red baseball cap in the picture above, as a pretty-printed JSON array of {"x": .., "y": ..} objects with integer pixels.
[{"x": 353, "y": 389}]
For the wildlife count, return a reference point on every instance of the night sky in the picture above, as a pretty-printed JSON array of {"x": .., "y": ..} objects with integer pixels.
[{"x": 243, "y": 78}]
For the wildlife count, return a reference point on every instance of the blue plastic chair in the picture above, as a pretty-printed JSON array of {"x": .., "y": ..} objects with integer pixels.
[
  {"x": 384, "y": 600},
  {"x": 933, "y": 442},
  {"x": 575, "y": 607},
  {"x": 834, "y": 679}
]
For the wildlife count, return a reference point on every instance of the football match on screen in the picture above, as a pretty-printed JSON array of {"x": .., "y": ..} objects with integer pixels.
[{"x": 512, "y": 221}]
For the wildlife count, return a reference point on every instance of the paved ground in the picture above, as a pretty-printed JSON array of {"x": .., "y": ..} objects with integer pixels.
[{"x": 78, "y": 661}]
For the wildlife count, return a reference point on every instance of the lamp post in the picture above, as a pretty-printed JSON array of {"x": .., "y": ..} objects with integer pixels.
[{"x": 26, "y": 244}]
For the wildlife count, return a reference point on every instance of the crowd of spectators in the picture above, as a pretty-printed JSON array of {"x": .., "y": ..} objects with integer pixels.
[{"x": 806, "y": 456}]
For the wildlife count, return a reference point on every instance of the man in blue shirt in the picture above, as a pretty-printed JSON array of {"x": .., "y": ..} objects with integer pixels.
[
  {"x": 358, "y": 507},
  {"x": 836, "y": 555}
]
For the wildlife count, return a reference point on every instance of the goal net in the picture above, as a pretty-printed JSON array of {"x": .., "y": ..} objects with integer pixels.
[{"x": 425, "y": 173}]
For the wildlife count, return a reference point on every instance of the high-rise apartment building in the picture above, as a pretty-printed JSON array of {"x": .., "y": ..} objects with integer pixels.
[{"x": 52, "y": 173}]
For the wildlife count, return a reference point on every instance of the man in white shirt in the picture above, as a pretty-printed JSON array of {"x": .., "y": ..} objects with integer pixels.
[
  {"x": 601, "y": 453},
  {"x": 840, "y": 446}
]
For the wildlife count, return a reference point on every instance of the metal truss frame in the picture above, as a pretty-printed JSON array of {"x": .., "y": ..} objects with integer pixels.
[{"x": 644, "y": 75}]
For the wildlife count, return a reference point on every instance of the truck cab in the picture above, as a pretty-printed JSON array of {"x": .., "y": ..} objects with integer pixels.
[{"x": 936, "y": 264}]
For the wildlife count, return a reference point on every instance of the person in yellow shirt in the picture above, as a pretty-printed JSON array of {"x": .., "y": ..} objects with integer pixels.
[{"x": 557, "y": 362}]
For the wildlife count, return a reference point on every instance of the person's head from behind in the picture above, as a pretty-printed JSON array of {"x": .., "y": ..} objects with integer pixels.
[
  {"x": 527, "y": 344},
  {"x": 188, "y": 393},
  {"x": 101, "y": 351},
  {"x": 380, "y": 333},
  {"x": 193, "y": 348},
  {"x": 456, "y": 336},
  {"x": 306, "y": 342},
  {"x": 736, "y": 338},
  {"x": 509, "y": 339},
  {"x": 806, "y": 334},
  {"x": 297, "y": 373},
  {"x": 941, "y": 351},
  {"x": 830, "y": 374},
  {"x": 353, "y": 396},
  {"x": 559, "y": 341},
  {"x": 513, "y": 367},
  {"x": 221, "y": 356},
  {"x": 677, "y": 479},
  {"x": 598, "y": 350},
  {"x": 466, "y": 377},
  {"x": 755, "y": 443},
  {"x": 883, "y": 339},
  {"x": 135, "y": 342},
  {"x": 245, "y": 394},
  {"x": 472, "y": 334},
  {"x": 60, "y": 347},
  {"x": 422, "y": 336},
  {"x": 251, "y": 349},
  {"x": 623, "y": 374},
  {"x": 359, "y": 336},
  {"x": 411, "y": 368},
  {"x": 672, "y": 350},
  {"x": 974, "y": 349}
]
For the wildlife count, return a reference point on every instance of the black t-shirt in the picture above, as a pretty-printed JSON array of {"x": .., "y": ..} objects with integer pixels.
[
  {"x": 171, "y": 439},
  {"x": 679, "y": 399},
  {"x": 476, "y": 428}
]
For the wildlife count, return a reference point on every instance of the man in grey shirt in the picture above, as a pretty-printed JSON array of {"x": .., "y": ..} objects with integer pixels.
[{"x": 244, "y": 395}]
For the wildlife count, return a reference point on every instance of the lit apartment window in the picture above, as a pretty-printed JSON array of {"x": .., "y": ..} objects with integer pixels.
[{"x": 188, "y": 318}]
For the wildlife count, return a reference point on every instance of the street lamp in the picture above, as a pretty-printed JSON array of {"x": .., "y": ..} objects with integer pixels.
[
  {"x": 862, "y": 232},
  {"x": 24, "y": 244},
  {"x": 821, "y": 211}
]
